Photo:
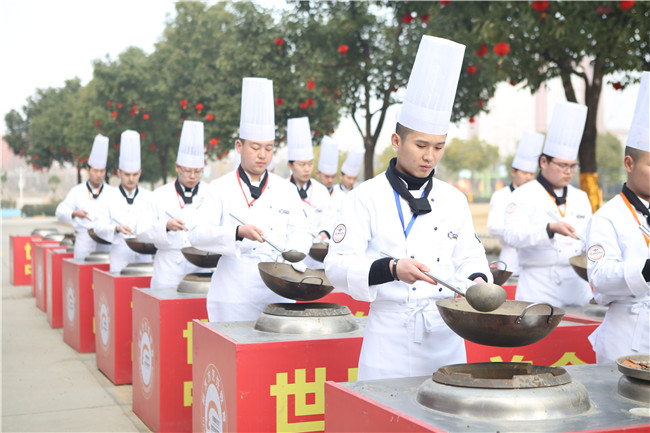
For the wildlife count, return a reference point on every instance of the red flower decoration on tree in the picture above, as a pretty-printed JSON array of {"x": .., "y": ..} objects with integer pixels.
[
  {"x": 119, "y": 106},
  {"x": 540, "y": 6},
  {"x": 445, "y": 2},
  {"x": 22, "y": 152},
  {"x": 98, "y": 123},
  {"x": 480, "y": 103},
  {"x": 116, "y": 146},
  {"x": 199, "y": 107},
  {"x": 303, "y": 105},
  {"x": 134, "y": 108},
  {"x": 114, "y": 114},
  {"x": 311, "y": 84},
  {"x": 279, "y": 101},
  {"x": 310, "y": 102},
  {"x": 407, "y": 18},
  {"x": 425, "y": 17},
  {"x": 214, "y": 142},
  {"x": 143, "y": 134},
  {"x": 209, "y": 117},
  {"x": 471, "y": 120},
  {"x": 625, "y": 5},
  {"x": 512, "y": 83},
  {"x": 483, "y": 50},
  {"x": 145, "y": 116},
  {"x": 152, "y": 146},
  {"x": 471, "y": 69},
  {"x": 278, "y": 41},
  {"x": 109, "y": 103},
  {"x": 36, "y": 157},
  {"x": 501, "y": 49},
  {"x": 617, "y": 86},
  {"x": 343, "y": 49},
  {"x": 183, "y": 103}
]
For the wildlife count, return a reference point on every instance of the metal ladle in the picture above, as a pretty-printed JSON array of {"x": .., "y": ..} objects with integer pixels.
[
  {"x": 482, "y": 296},
  {"x": 292, "y": 256}
]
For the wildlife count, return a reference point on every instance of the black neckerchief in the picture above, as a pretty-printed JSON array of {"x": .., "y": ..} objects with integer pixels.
[
  {"x": 302, "y": 191},
  {"x": 419, "y": 206},
  {"x": 330, "y": 189},
  {"x": 129, "y": 200},
  {"x": 256, "y": 191},
  {"x": 101, "y": 188},
  {"x": 547, "y": 186},
  {"x": 512, "y": 187},
  {"x": 187, "y": 193},
  {"x": 634, "y": 201}
]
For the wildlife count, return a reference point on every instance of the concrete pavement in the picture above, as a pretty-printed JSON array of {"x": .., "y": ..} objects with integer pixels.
[{"x": 46, "y": 385}]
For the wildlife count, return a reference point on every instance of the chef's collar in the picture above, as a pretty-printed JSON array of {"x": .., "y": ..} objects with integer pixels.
[
  {"x": 129, "y": 196},
  {"x": 559, "y": 200},
  {"x": 185, "y": 192},
  {"x": 92, "y": 192}
]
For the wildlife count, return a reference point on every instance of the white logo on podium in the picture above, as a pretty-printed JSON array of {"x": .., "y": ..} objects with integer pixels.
[
  {"x": 146, "y": 358},
  {"x": 214, "y": 402},
  {"x": 70, "y": 303}
]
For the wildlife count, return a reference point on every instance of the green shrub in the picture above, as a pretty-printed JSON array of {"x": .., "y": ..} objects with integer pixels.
[{"x": 48, "y": 209}]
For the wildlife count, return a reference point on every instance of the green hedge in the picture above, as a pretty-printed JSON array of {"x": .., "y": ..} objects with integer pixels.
[{"x": 48, "y": 209}]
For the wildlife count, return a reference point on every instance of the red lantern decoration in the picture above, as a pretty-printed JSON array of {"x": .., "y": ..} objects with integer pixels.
[
  {"x": 114, "y": 114},
  {"x": 480, "y": 103},
  {"x": 109, "y": 103},
  {"x": 214, "y": 142},
  {"x": 98, "y": 123},
  {"x": 134, "y": 108},
  {"x": 501, "y": 49},
  {"x": 471, "y": 120},
  {"x": 119, "y": 105},
  {"x": 143, "y": 134},
  {"x": 62, "y": 149},
  {"x": 483, "y": 50},
  {"x": 278, "y": 41},
  {"x": 512, "y": 83},
  {"x": 407, "y": 18},
  {"x": 471, "y": 69},
  {"x": 209, "y": 117},
  {"x": 310, "y": 102},
  {"x": 199, "y": 107},
  {"x": 145, "y": 116},
  {"x": 21, "y": 153},
  {"x": 152, "y": 146},
  {"x": 183, "y": 103},
  {"x": 279, "y": 101},
  {"x": 617, "y": 86},
  {"x": 625, "y": 5},
  {"x": 310, "y": 84},
  {"x": 603, "y": 10},
  {"x": 303, "y": 105},
  {"x": 540, "y": 6},
  {"x": 445, "y": 2},
  {"x": 424, "y": 18},
  {"x": 36, "y": 157},
  {"x": 116, "y": 146},
  {"x": 343, "y": 49}
]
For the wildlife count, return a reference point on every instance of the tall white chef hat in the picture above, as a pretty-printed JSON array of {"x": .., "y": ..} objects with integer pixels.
[
  {"x": 130, "y": 151},
  {"x": 191, "y": 149},
  {"x": 257, "y": 119},
  {"x": 432, "y": 86},
  {"x": 299, "y": 139},
  {"x": 565, "y": 130},
  {"x": 353, "y": 161},
  {"x": 640, "y": 129},
  {"x": 528, "y": 151},
  {"x": 99, "y": 152},
  {"x": 328, "y": 161}
]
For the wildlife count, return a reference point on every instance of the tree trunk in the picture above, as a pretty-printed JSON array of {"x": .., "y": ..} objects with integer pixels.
[{"x": 78, "y": 174}]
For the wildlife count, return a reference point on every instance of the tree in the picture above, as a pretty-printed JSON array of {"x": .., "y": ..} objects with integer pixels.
[
  {"x": 53, "y": 181},
  {"x": 473, "y": 154},
  {"x": 609, "y": 156}
]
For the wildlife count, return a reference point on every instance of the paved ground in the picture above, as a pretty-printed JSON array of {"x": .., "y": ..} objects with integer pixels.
[{"x": 46, "y": 385}]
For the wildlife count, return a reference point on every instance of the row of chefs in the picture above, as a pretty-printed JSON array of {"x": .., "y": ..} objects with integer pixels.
[{"x": 387, "y": 232}]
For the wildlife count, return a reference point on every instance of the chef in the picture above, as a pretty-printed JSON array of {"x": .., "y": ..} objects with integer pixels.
[
  {"x": 172, "y": 211},
  {"x": 619, "y": 254},
  {"x": 404, "y": 222},
  {"x": 124, "y": 205},
  {"x": 80, "y": 207},
  {"x": 328, "y": 163},
  {"x": 349, "y": 172},
  {"x": 524, "y": 166},
  {"x": 545, "y": 216},
  {"x": 268, "y": 205}
]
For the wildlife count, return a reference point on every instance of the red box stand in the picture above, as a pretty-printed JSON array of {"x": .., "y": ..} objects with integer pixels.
[
  {"x": 53, "y": 289},
  {"x": 162, "y": 357},
  {"x": 20, "y": 259},
  {"x": 38, "y": 276},
  {"x": 247, "y": 380},
  {"x": 41, "y": 271},
  {"x": 78, "y": 305},
  {"x": 113, "y": 313}
]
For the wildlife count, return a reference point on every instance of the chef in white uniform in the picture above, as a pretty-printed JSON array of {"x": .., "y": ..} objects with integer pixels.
[
  {"x": 545, "y": 245},
  {"x": 124, "y": 205},
  {"x": 267, "y": 203},
  {"x": 524, "y": 166},
  {"x": 404, "y": 222},
  {"x": 619, "y": 253},
  {"x": 328, "y": 163},
  {"x": 172, "y": 211},
  {"x": 80, "y": 207},
  {"x": 349, "y": 172}
]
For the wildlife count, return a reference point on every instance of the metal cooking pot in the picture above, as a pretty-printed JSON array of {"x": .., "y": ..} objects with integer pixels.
[
  {"x": 579, "y": 264},
  {"x": 200, "y": 258},
  {"x": 500, "y": 276},
  {"x": 96, "y": 238},
  {"x": 43, "y": 232},
  {"x": 138, "y": 269},
  {"x": 57, "y": 237},
  {"x": 513, "y": 324},
  {"x": 67, "y": 242},
  {"x": 97, "y": 257},
  {"x": 289, "y": 283},
  {"x": 319, "y": 251},
  {"x": 141, "y": 247},
  {"x": 637, "y": 373}
]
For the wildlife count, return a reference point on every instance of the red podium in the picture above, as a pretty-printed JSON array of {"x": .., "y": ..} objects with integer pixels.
[
  {"x": 20, "y": 259},
  {"x": 78, "y": 304},
  {"x": 41, "y": 271},
  {"x": 38, "y": 276},
  {"x": 113, "y": 312},
  {"x": 53, "y": 286},
  {"x": 162, "y": 357},
  {"x": 247, "y": 380}
]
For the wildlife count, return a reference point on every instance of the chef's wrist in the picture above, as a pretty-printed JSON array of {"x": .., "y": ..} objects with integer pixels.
[
  {"x": 549, "y": 232},
  {"x": 646, "y": 271},
  {"x": 237, "y": 237},
  {"x": 476, "y": 275},
  {"x": 380, "y": 272}
]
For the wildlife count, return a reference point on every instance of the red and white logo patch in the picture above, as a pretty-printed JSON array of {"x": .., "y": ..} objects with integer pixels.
[{"x": 595, "y": 253}]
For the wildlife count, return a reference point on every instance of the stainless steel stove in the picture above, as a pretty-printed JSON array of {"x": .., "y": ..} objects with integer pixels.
[{"x": 312, "y": 318}]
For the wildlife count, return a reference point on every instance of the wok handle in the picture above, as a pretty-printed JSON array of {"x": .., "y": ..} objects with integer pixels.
[
  {"x": 521, "y": 316},
  {"x": 312, "y": 276},
  {"x": 505, "y": 265}
]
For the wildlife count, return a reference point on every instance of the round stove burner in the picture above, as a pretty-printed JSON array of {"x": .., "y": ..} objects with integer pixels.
[
  {"x": 313, "y": 318},
  {"x": 198, "y": 282},
  {"x": 504, "y": 390},
  {"x": 138, "y": 269},
  {"x": 634, "y": 389}
]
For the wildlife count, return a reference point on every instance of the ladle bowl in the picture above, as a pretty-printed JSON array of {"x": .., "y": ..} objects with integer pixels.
[
  {"x": 500, "y": 276},
  {"x": 482, "y": 297},
  {"x": 579, "y": 264}
]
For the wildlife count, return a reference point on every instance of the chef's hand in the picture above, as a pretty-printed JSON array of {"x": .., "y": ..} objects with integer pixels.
[
  {"x": 562, "y": 228},
  {"x": 124, "y": 229},
  {"x": 410, "y": 271},
  {"x": 174, "y": 225},
  {"x": 324, "y": 236},
  {"x": 249, "y": 231},
  {"x": 80, "y": 213}
]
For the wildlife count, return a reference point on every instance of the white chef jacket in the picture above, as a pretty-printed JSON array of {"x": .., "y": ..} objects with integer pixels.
[
  {"x": 80, "y": 198},
  {"x": 545, "y": 274},
  {"x": 237, "y": 292},
  {"x": 405, "y": 335},
  {"x": 495, "y": 224},
  {"x": 617, "y": 253},
  {"x": 117, "y": 211},
  {"x": 169, "y": 265}
]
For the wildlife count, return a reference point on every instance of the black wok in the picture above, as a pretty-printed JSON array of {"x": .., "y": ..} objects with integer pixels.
[
  {"x": 200, "y": 258},
  {"x": 282, "y": 279},
  {"x": 141, "y": 247},
  {"x": 318, "y": 251},
  {"x": 96, "y": 238}
]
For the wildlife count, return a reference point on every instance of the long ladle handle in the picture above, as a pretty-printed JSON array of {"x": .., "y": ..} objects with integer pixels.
[
  {"x": 263, "y": 237},
  {"x": 446, "y": 284},
  {"x": 558, "y": 220}
]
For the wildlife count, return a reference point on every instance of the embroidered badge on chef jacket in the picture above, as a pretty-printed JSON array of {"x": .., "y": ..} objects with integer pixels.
[
  {"x": 511, "y": 208},
  {"x": 580, "y": 217},
  {"x": 339, "y": 233},
  {"x": 453, "y": 236},
  {"x": 595, "y": 253},
  {"x": 284, "y": 211}
]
